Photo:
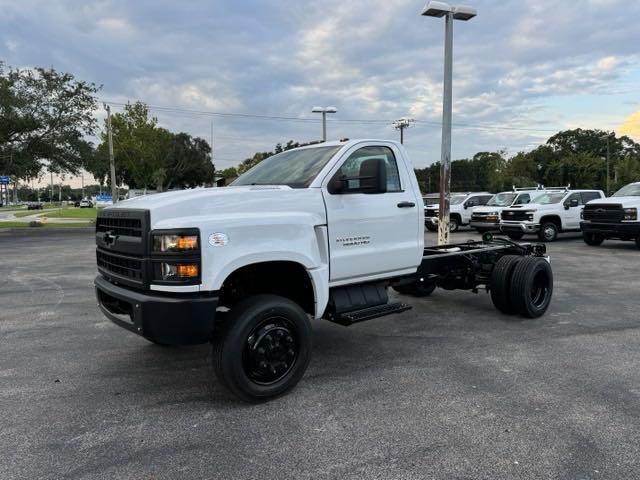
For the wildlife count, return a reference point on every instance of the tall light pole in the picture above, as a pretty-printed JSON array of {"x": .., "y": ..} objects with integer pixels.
[
  {"x": 324, "y": 111},
  {"x": 451, "y": 13},
  {"x": 401, "y": 124}
]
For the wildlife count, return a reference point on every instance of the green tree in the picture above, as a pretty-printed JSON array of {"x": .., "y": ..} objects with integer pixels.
[{"x": 44, "y": 119}]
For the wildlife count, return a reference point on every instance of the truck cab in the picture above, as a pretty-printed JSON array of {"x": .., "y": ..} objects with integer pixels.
[
  {"x": 487, "y": 218},
  {"x": 550, "y": 213},
  {"x": 615, "y": 217},
  {"x": 461, "y": 207},
  {"x": 318, "y": 232}
]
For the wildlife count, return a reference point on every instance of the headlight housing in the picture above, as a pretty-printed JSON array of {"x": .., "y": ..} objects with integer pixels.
[
  {"x": 175, "y": 257},
  {"x": 630, "y": 214}
]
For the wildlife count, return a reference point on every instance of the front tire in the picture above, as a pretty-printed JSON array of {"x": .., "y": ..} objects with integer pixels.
[
  {"x": 638, "y": 241},
  {"x": 431, "y": 227},
  {"x": 593, "y": 239},
  {"x": 532, "y": 287},
  {"x": 263, "y": 349},
  {"x": 548, "y": 232},
  {"x": 454, "y": 224}
]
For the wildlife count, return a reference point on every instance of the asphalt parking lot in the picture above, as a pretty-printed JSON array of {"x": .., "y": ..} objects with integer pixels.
[{"x": 448, "y": 390}]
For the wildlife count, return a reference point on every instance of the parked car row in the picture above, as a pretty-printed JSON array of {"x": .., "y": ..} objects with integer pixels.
[{"x": 546, "y": 212}]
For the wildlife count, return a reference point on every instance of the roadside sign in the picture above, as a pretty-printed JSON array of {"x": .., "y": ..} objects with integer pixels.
[
  {"x": 4, "y": 179},
  {"x": 104, "y": 198}
]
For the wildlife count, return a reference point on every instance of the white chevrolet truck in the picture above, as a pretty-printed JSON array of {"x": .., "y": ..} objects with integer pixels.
[
  {"x": 318, "y": 232},
  {"x": 615, "y": 217},
  {"x": 461, "y": 206},
  {"x": 550, "y": 213},
  {"x": 486, "y": 218}
]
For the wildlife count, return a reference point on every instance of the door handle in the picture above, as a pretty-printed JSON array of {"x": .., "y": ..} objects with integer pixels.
[{"x": 406, "y": 205}]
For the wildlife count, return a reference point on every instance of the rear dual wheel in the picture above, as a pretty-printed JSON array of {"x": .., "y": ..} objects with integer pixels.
[{"x": 522, "y": 285}]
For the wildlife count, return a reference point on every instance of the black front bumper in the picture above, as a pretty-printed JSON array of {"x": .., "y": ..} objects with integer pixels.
[
  {"x": 166, "y": 318},
  {"x": 623, "y": 231}
]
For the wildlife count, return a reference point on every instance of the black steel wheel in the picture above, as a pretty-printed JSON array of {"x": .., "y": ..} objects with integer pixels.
[
  {"x": 515, "y": 235},
  {"x": 548, "y": 232},
  {"x": 532, "y": 287},
  {"x": 263, "y": 349},
  {"x": 501, "y": 283},
  {"x": 593, "y": 239}
]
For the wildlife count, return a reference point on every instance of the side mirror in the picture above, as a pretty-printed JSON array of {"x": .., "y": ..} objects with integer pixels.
[
  {"x": 467, "y": 204},
  {"x": 572, "y": 203},
  {"x": 372, "y": 179}
]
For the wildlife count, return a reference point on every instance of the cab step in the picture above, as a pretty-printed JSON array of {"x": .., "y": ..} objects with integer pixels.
[{"x": 355, "y": 316}]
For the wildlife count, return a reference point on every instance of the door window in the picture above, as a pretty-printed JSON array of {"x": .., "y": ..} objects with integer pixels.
[
  {"x": 588, "y": 196},
  {"x": 573, "y": 196},
  {"x": 523, "y": 199},
  {"x": 352, "y": 165}
]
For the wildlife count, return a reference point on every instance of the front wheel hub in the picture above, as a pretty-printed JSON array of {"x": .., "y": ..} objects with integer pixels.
[{"x": 271, "y": 351}]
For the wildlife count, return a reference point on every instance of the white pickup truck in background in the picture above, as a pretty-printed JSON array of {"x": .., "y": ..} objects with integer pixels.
[
  {"x": 487, "y": 218},
  {"x": 555, "y": 211},
  {"x": 615, "y": 217},
  {"x": 461, "y": 207},
  {"x": 316, "y": 232}
]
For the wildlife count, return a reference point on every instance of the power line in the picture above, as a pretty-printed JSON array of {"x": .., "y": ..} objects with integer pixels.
[{"x": 363, "y": 121}]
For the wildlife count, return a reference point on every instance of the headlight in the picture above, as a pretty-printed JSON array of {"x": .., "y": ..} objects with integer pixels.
[
  {"x": 175, "y": 243},
  {"x": 630, "y": 214},
  {"x": 530, "y": 217},
  {"x": 179, "y": 271}
]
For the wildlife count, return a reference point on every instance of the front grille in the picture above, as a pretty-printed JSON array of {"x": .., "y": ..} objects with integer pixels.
[
  {"x": 604, "y": 213},
  {"x": 120, "y": 265},
  {"x": 515, "y": 215},
  {"x": 130, "y": 227},
  {"x": 429, "y": 212},
  {"x": 484, "y": 217}
]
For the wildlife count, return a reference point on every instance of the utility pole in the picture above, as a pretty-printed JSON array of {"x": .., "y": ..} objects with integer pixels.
[
  {"x": 114, "y": 187},
  {"x": 608, "y": 138},
  {"x": 401, "y": 124},
  {"x": 51, "y": 197}
]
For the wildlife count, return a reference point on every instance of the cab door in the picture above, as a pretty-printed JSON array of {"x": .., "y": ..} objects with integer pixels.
[
  {"x": 571, "y": 213},
  {"x": 372, "y": 234}
]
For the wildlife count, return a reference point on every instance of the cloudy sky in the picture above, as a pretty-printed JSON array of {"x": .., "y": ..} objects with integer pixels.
[{"x": 523, "y": 69}]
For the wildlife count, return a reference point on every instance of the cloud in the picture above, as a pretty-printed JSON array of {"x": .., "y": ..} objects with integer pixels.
[{"x": 529, "y": 66}]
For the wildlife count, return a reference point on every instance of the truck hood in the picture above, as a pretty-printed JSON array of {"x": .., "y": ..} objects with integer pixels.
[
  {"x": 186, "y": 207},
  {"x": 487, "y": 209},
  {"x": 624, "y": 201}
]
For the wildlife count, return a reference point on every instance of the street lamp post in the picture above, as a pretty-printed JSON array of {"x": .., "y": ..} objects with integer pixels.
[
  {"x": 324, "y": 111},
  {"x": 451, "y": 13}
]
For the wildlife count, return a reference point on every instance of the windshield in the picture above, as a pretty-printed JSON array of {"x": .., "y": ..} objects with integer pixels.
[
  {"x": 458, "y": 199},
  {"x": 430, "y": 201},
  {"x": 549, "y": 198},
  {"x": 295, "y": 168},
  {"x": 632, "y": 190},
  {"x": 501, "y": 200}
]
